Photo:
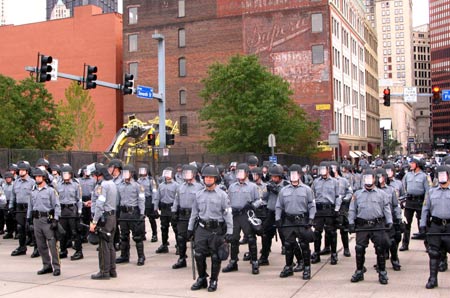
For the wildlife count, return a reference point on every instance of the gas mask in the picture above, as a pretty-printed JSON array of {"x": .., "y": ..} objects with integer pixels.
[
  {"x": 66, "y": 175},
  {"x": 294, "y": 177},
  {"x": 240, "y": 174},
  {"x": 187, "y": 175},
  {"x": 126, "y": 174},
  {"x": 442, "y": 177},
  {"x": 323, "y": 171},
  {"x": 368, "y": 181}
]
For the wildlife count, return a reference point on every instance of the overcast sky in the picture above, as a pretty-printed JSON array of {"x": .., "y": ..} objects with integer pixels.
[{"x": 30, "y": 11}]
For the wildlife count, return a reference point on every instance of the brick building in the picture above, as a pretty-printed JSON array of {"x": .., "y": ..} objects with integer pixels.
[
  {"x": 88, "y": 37},
  {"x": 292, "y": 38}
]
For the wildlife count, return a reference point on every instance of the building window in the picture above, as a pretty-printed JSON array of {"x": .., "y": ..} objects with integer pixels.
[
  {"x": 317, "y": 54},
  {"x": 133, "y": 69},
  {"x": 132, "y": 15},
  {"x": 182, "y": 97},
  {"x": 183, "y": 126},
  {"x": 181, "y": 38},
  {"x": 181, "y": 9},
  {"x": 132, "y": 42},
  {"x": 182, "y": 67},
  {"x": 316, "y": 22}
]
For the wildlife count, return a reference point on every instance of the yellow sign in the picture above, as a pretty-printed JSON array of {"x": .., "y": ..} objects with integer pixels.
[
  {"x": 324, "y": 146},
  {"x": 323, "y": 107}
]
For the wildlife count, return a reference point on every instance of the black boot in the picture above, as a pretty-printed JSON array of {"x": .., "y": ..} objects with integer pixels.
[
  {"x": 381, "y": 265},
  {"x": 382, "y": 277},
  {"x": 287, "y": 271},
  {"x": 246, "y": 257},
  {"x": 154, "y": 238},
  {"x": 299, "y": 257},
  {"x": 327, "y": 249},
  {"x": 101, "y": 276},
  {"x": 162, "y": 249},
  {"x": 360, "y": 269},
  {"x": 202, "y": 282},
  {"x": 307, "y": 273},
  {"x": 300, "y": 266},
  {"x": 78, "y": 255},
  {"x": 45, "y": 270},
  {"x": 334, "y": 259},
  {"x": 63, "y": 254},
  {"x": 357, "y": 276},
  {"x": 344, "y": 239},
  {"x": 433, "y": 280},
  {"x": 306, "y": 260},
  {"x": 21, "y": 250},
  {"x": 232, "y": 266},
  {"x": 315, "y": 257},
  {"x": 140, "y": 253},
  {"x": 35, "y": 253},
  {"x": 443, "y": 265},
  {"x": 405, "y": 241},
  {"x": 255, "y": 267},
  {"x": 181, "y": 263},
  {"x": 215, "y": 270}
]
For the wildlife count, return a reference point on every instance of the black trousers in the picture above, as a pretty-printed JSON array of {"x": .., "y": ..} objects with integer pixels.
[{"x": 106, "y": 251}]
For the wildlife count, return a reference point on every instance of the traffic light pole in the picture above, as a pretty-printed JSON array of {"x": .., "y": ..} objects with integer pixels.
[
  {"x": 161, "y": 95},
  {"x": 78, "y": 78}
]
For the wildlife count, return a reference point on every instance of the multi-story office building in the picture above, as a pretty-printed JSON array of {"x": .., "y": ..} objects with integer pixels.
[
  {"x": 440, "y": 69},
  {"x": 422, "y": 80},
  {"x": 317, "y": 46},
  {"x": 106, "y": 5}
]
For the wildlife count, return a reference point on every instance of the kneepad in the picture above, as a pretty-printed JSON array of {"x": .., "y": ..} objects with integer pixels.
[
  {"x": 138, "y": 238},
  {"x": 360, "y": 249},
  {"x": 434, "y": 254}
]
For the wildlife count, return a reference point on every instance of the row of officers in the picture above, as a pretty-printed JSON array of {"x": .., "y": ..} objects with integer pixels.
[{"x": 202, "y": 209}]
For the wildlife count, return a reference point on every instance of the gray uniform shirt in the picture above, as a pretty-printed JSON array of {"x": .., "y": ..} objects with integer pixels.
[
  {"x": 131, "y": 194},
  {"x": 395, "y": 207},
  {"x": 21, "y": 193},
  {"x": 437, "y": 204},
  {"x": 326, "y": 191},
  {"x": 104, "y": 198},
  {"x": 416, "y": 184},
  {"x": 295, "y": 200},
  {"x": 70, "y": 193},
  {"x": 242, "y": 193},
  {"x": 44, "y": 199},
  {"x": 147, "y": 183},
  {"x": 398, "y": 185},
  {"x": 185, "y": 195},
  {"x": 369, "y": 205},
  {"x": 87, "y": 186},
  {"x": 345, "y": 189},
  {"x": 165, "y": 194},
  {"x": 272, "y": 198},
  {"x": 212, "y": 205}
]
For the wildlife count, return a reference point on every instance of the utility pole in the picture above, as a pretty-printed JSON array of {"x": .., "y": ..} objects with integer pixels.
[{"x": 161, "y": 95}]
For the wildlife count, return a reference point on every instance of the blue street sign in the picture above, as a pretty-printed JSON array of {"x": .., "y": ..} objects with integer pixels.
[
  {"x": 144, "y": 92},
  {"x": 446, "y": 95},
  {"x": 273, "y": 159}
]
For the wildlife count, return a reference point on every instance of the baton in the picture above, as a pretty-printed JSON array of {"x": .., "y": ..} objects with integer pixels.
[
  {"x": 370, "y": 230},
  {"x": 438, "y": 234},
  {"x": 295, "y": 226},
  {"x": 131, "y": 220},
  {"x": 193, "y": 261},
  {"x": 98, "y": 229}
]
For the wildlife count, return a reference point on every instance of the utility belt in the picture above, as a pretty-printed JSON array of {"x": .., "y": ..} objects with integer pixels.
[
  {"x": 370, "y": 222},
  {"x": 210, "y": 224},
  {"x": 440, "y": 221},
  {"x": 39, "y": 214},
  {"x": 109, "y": 213},
  {"x": 324, "y": 206},
  {"x": 67, "y": 205},
  {"x": 165, "y": 205},
  {"x": 236, "y": 211},
  {"x": 185, "y": 212},
  {"x": 21, "y": 206},
  {"x": 415, "y": 198},
  {"x": 129, "y": 209},
  {"x": 295, "y": 217},
  {"x": 86, "y": 198}
]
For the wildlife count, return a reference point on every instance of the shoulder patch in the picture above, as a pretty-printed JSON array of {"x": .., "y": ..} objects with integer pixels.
[
  {"x": 141, "y": 188},
  {"x": 99, "y": 190}
]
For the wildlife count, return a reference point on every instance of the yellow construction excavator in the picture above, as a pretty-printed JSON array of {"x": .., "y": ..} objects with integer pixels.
[{"x": 132, "y": 140}]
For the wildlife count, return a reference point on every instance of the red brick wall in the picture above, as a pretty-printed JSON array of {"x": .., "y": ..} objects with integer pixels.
[{"x": 89, "y": 37}]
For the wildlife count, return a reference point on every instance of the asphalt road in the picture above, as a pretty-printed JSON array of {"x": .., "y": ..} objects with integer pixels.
[{"x": 18, "y": 277}]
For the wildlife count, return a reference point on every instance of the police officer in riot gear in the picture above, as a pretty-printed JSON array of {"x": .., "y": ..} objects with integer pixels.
[
  {"x": 43, "y": 213},
  {"x": 243, "y": 194},
  {"x": 368, "y": 216},
  {"x": 163, "y": 201},
  {"x": 131, "y": 202},
  {"x": 210, "y": 219},
  {"x": 115, "y": 170},
  {"x": 416, "y": 186},
  {"x": 87, "y": 184},
  {"x": 395, "y": 235},
  {"x": 295, "y": 211},
  {"x": 69, "y": 191},
  {"x": 436, "y": 208},
  {"x": 104, "y": 202},
  {"x": 328, "y": 203},
  {"x": 181, "y": 210},
  {"x": 18, "y": 204},
  {"x": 145, "y": 179},
  {"x": 9, "y": 217}
]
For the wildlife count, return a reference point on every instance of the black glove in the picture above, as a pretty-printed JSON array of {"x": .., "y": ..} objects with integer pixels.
[
  {"x": 310, "y": 222},
  {"x": 388, "y": 226},
  {"x": 278, "y": 223},
  {"x": 423, "y": 230},
  {"x": 338, "y": 219},
  {"x": 351, "y": 229},
  {"x": 28, "y": 224},
  {"x": 54, "y": 225},
  {"x": 11, "y": 211},
  {"x": 156, "y": 214},
  {"x": 273, "y": 188},
  {"x": 174, "y": 216},
  {"x": 228, "y": 238},
  {"x": 142, "y": 217},
  {"x": 397, "y": 221},
  {"x": 189, "y": 235}
]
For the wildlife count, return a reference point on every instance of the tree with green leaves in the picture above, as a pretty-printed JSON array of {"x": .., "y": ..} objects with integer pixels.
[
  {"x": 28, "y": 116},
  {"x": 77, "y": 115},
  {"x": 244, "y": 103}
]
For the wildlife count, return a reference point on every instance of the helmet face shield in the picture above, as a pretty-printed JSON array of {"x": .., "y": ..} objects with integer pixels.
[
  {"x": 390, "y": 173},
  {"x": 187, "y": 174},
  {"x": 240, "y": 174},
  {"x": 442, "y": 177},
  {"x": 66, "y": 175},
  {"x": 368, "y": 180},
  {"x": 167, "y": 174},
  {"x": 323, "y": 171},
  {"x": 142, "y": 171},
  {"x": 126, "y": 174},
  {"x": 294, "y": 176}
]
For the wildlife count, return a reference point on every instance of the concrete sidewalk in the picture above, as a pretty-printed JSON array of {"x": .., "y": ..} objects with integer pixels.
[{"x": 18, "y": 277}]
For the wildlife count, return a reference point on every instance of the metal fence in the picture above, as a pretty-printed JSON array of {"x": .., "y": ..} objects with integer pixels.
[{"x": 158, "y": 160}]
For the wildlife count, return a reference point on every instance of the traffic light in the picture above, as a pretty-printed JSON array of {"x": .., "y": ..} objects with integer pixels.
[
  {"x": 151, "y": 139},
  {"x": 170, "y": 139},
  {"x": 387, "y": 97},
  {"x": 437, "y": 94},
  {"x": 128, "y": 84},
  {"x": 45, "y": 69},
  {"x": 91, "y": 77}
]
